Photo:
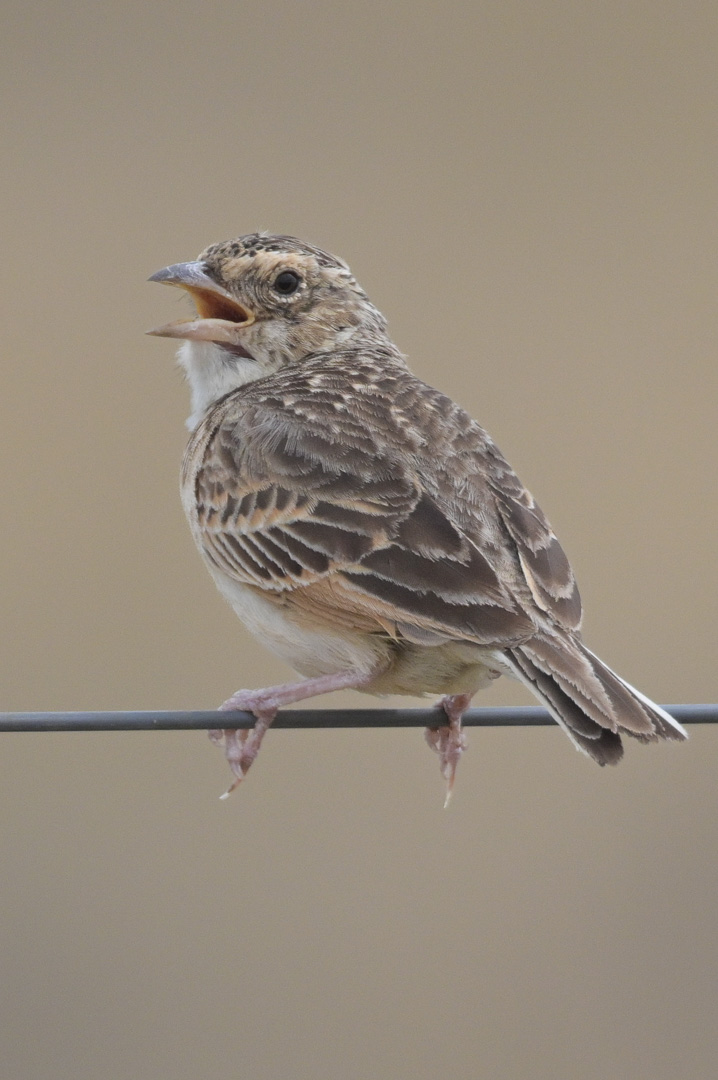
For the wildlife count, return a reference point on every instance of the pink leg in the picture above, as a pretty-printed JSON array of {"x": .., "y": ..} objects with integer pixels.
[
  {"x": 242, "y": 747},
  {"x": 449, "y": 741}
]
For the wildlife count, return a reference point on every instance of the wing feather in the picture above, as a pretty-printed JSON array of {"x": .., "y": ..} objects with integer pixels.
[
  {"x": 287, "y": 507},
  {"x": 544, "y": 565}
]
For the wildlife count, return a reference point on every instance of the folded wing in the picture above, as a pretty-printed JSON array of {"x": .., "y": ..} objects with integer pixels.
[{"x": 287, "y": 508}]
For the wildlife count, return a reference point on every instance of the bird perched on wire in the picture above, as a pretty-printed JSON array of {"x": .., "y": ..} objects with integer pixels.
[{"x": 359, "y": 522}]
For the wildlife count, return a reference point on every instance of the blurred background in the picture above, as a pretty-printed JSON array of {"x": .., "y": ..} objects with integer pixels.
[{"x": 528, "y": 191}]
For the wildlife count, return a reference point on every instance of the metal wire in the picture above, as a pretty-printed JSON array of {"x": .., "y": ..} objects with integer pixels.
[{"x": 525, "y": 716}]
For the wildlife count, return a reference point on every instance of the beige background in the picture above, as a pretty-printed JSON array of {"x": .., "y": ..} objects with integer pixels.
[{"x": 528, "y": 190}]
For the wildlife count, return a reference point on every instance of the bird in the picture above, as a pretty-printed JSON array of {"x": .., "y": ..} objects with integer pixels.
[{"x": 360, "y": 523}]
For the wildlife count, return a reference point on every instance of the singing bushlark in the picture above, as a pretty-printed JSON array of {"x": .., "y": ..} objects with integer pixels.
[{"x": 359, "y": 522}]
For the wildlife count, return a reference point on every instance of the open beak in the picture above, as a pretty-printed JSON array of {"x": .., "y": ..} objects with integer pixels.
[{"x": 219, "y": 315}]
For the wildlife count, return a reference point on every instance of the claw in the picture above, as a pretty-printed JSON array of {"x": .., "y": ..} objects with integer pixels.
[
  {"x": 234, "y": 743},
  {"x": 235, "y": 784}
]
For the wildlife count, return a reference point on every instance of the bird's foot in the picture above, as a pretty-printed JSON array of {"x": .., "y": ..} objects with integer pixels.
[
  {"x": 241, "y": 747},
  {"x": 449, "y": 740}
]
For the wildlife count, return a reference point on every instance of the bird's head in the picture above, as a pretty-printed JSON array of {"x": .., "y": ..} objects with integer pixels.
[{"x": 263, "y": 303}]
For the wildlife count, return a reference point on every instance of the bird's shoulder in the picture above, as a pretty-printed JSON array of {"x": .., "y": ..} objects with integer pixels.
[{"x": 366, "y": 403}]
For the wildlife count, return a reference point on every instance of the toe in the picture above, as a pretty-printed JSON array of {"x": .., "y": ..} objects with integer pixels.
[
  {"x": 238, "y": 702},
  {"x": 234, "y": 752},
  {"x": 434, "y": 737}
]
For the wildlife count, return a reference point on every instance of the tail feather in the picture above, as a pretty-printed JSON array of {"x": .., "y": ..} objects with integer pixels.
[
  {"x": 666, "y": 726},
  {"x": 590, "y": 702}
]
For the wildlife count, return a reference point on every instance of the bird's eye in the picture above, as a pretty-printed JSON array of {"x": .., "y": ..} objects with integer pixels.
[{"x": 286, "y": 283}]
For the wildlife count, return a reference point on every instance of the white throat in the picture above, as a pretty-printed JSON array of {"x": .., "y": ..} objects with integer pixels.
[{"x": 211, "y": 375}]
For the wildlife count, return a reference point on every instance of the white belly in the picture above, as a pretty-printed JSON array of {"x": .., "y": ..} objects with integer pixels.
[
  {"x": 452, "y": 668},
  {"x": 308, "y": 649}
]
